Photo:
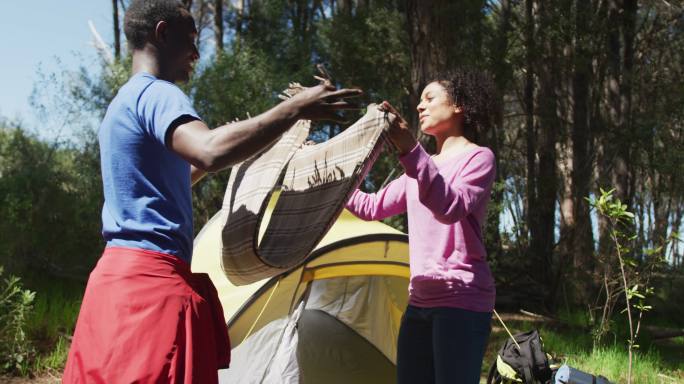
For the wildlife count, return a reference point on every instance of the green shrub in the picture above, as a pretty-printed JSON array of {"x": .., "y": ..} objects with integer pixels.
[{"x": 16, "y": 303}]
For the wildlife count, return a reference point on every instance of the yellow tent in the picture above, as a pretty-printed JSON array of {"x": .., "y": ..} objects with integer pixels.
[{"x": 334, "y": 319}]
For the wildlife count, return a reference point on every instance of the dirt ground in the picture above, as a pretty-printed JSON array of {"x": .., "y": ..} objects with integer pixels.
[{"x": 43, "y": 379}]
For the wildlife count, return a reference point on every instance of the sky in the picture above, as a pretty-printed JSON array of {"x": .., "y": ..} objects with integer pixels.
[{"x": 35, "y": 33}]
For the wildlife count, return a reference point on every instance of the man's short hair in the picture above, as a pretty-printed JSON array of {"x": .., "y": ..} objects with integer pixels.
[{"x": 142, "y": 17}]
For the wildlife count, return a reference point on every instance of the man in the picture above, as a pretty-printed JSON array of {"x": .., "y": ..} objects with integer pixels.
[{"x": 145, "y": 317}]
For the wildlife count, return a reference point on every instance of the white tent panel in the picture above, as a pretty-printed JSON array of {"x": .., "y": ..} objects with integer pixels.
[{"x": 365, "y": 304}]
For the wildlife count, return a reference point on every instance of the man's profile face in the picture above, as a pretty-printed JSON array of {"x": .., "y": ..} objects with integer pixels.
[{"x": 180, "y": 53}]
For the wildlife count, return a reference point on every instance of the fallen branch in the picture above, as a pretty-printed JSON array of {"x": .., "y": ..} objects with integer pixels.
[{"x": 538, "y": 316}]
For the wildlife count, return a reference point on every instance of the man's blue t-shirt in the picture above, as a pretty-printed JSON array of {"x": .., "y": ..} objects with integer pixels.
[{"x": 147, "y": 194}]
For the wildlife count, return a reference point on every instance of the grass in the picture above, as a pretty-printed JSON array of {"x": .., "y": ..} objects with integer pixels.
[
  {"x": 52, "y": 320},
  {"x": 611, "y": 362},
  {"x": 54, "y": 360},
  {"x": 569, "y": 342}
]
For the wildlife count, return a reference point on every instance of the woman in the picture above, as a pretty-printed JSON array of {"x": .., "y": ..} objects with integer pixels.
[{"x": 446, "y": 325}]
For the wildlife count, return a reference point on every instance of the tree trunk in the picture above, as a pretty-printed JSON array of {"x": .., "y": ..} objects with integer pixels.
[
  {"x": 619, "y": 137},
  {"x": 530, "y": 132},
  {"x": 436, "y": 30},
  {"x": 629, "y": 9},
  {"x": 566, "y": 199},
  {"x": 582, "y": 237},
  {"x": 661, "y": 213},
  {"x": 218, "y": 25},
  {"x": 542, "y": 241},
  {"x": 239, "y": 20},
  {"x": 612, "y": 165},
  {"x": 117, "y": 33},
  {"x": 344, "y": 7},
  {"x": 494, "y": 138},
  {"x": 676, "y": 224},
  {"x": 201, "y": 13},
  {"x": 564, "y": 152}
]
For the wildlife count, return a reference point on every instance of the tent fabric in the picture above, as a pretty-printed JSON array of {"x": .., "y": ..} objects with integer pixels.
[
  {"x": 345, "y": 357},
  {"x": 332, "y": 319},
  {"x": 269, "y": 356},
  {"x": 346, "y": 331},
  {"x": 370, "y": 305},
  {"x": 316, "y": 182}
]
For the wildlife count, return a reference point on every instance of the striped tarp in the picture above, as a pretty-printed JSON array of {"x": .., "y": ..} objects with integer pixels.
[{"x": 315, "y": 182}]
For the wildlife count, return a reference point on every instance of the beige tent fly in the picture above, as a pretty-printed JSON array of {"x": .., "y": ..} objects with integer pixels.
[{"x": 334, "y": 319}]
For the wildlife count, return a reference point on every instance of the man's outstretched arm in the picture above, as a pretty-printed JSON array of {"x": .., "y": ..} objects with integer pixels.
[{"x": 210, "y": 150}]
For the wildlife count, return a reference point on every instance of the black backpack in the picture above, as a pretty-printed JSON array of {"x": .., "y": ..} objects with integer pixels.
[{"x": 528, "y": 364}]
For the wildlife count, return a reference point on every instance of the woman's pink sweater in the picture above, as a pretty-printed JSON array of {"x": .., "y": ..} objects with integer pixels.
[{"x": 446, "y": 203}]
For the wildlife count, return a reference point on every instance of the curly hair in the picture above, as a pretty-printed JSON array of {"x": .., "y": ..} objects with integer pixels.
[
  {"x": 142, "y": 17},
  {"x": 474, "y": 92}
]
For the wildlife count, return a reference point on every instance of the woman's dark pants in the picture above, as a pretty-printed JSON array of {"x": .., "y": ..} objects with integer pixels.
[{"x": 441, "y": 345}]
